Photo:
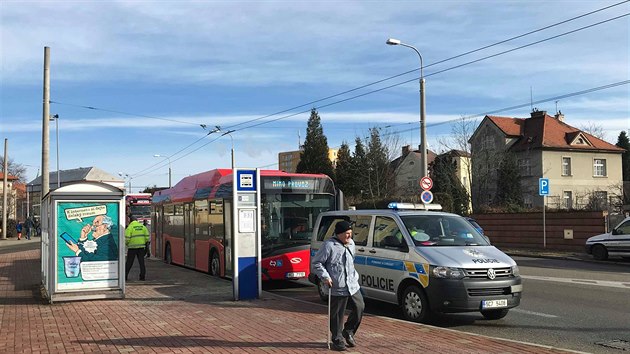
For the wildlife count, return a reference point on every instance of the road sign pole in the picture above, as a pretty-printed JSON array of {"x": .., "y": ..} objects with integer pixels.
[{"x": 544, "y": 222}]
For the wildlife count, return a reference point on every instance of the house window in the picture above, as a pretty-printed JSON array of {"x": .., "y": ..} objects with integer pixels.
[
  {"x": 566, "y": 166},
  {"x": 524, "y": 167},
  {"x": 599, "y": 167},
  {"x": 568, "y": 200}
]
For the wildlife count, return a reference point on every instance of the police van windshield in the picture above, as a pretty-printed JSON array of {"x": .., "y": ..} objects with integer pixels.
[{"x": 442, "y": 230}]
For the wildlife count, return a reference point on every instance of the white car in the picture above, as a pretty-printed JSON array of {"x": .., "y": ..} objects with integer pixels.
[{"x": 614, "y": 243}]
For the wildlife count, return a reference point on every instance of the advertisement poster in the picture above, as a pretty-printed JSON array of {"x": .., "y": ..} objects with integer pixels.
[{"x": 87, "y": 245}]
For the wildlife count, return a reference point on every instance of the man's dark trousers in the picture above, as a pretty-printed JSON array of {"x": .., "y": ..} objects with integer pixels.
[
  {"x": 337, "y": 309},
  {"x": 131, "y": 254}
]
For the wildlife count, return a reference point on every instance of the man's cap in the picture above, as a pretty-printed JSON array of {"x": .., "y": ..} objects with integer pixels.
[{"x": 342, "y": 226}]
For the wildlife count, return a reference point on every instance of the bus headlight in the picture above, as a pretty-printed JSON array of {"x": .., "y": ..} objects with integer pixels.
[
  {"x": 447, "y": 272},
  {"x": 515, "y": 271}
]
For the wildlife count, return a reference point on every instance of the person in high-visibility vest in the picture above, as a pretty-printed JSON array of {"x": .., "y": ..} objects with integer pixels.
[{"x": 136, "y": 238}]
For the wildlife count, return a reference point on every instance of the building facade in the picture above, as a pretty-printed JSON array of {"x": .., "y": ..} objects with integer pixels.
[
  {"x": 583, "y": 170},
  {"x": 289, "y": 160}
]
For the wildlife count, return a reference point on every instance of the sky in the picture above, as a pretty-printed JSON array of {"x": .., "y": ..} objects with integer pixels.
[{"x": 134, "y": 79}]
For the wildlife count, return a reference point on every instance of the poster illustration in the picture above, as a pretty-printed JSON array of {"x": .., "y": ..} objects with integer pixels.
[{"x": 87, "y": 245}]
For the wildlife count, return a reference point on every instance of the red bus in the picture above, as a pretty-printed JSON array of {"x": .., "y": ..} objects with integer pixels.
[
  {"x": 192, "y": 221},
  {"x": 139, "y": 206}
]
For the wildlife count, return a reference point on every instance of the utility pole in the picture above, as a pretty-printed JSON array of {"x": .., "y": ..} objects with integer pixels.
[
  {"x": 4, "y": 189},
  {"x": 45, "y": 119}
]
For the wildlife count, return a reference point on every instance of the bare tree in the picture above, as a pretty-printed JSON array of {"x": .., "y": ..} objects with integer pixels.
[{"x": 596, "y": 130}]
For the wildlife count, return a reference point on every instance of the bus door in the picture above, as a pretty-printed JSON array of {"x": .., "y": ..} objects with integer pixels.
[
  {"x": 189, "y": 235},
  {"x": 158, "y": 229},
  {"x": 227, "y": 238}
]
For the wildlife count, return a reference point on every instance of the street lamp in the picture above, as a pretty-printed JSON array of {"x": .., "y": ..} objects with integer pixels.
[
  {"x": 423, "y": 136},
  {"x": 218, "y": 130},
  {"x": 55, "y": 118},
  {"x": 169, "y": 167},
  {"x": 126, "y": 176}
]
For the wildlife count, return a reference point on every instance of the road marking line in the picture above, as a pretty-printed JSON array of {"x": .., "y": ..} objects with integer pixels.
[
  {"x": 605, "y": 283},
  {"x": 533, "y": 313}
]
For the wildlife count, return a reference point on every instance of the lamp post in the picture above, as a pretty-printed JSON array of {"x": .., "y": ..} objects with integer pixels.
[
  {"x": 126, "y": 176},
  {"x": 423, "y": 137},
  {"x": 169, "y": 167},
  {"x": 218, "y": 130},
  {"x": 28, "y": 208},
  {"x": 55, "y": 118}
]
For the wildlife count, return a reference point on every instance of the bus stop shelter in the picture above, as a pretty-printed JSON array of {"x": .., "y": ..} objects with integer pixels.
[{"x": 83, "y": 242}]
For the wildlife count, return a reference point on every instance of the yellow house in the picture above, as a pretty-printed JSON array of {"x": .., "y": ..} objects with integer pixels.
[{"x": 288, "y": 160}]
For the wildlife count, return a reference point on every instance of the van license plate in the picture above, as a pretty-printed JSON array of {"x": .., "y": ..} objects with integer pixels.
[{"x": 491, "y": 304}]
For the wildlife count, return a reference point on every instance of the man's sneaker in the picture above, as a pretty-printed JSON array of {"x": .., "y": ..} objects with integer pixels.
[
  {"x": 349, "y": 339},
  {"x": 340, "y": 347}
]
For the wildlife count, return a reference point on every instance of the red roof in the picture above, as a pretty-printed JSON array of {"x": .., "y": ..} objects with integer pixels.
[
  {"x": 545, "y": 131},
  {"x": 9, "y": 177}
]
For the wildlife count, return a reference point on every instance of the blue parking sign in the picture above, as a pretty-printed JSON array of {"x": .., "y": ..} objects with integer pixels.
[{"x": 543, "y": 186}]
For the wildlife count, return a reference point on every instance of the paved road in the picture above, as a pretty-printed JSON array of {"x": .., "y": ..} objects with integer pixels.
[{"x": 567, "y": 304}]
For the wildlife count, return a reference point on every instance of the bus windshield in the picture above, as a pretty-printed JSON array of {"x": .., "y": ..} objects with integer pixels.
[
  {"x": 141, "y": 211},
  {"x": 442, "y": 230},
  {"x": 287, "y": 220}
]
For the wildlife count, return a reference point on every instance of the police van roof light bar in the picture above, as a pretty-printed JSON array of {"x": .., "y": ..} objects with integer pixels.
[{"x": 413, "y": 206}]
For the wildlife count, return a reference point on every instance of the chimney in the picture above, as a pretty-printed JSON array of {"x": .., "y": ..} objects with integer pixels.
[
  {"x": 536, "y": 113},
  {"x": 405, "y": 150},
  {"x": 559, "y": 116}
]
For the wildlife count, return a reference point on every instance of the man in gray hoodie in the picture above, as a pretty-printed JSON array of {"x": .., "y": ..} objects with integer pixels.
[{"x": 334, "y": 265}]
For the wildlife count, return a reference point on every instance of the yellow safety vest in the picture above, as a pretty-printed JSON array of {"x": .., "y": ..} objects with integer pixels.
[{"x": 136, "y": 235}]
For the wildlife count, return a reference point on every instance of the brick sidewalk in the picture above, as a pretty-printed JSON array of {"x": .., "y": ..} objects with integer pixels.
[{"x": 183, "y": 311}]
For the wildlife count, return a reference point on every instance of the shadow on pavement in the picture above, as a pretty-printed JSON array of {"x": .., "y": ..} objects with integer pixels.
[{"x": 185, "y": 341}]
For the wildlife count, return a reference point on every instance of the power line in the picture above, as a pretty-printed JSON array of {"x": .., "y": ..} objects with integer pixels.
[
  {"x": 444, "y": 60},
  {"x": 431, "y": 74},
  {"x": 390, "y": 86},
  {"x": 128, "y": 114}
]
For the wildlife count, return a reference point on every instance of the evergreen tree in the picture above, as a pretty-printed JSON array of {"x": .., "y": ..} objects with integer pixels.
[
  {"x": 344, "y": 172},
  {"x": 509, "y": 191},
  {"x": 314, "y": 158},
  {"x": 381, "y": 177},
  {"x": 624, "y": 143},
  {"x": 359, "y": 169},
  {"x": 443, "y": 171}
]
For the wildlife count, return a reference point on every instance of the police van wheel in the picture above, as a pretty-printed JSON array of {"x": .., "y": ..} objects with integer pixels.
[
  {"x": 414, "y": 303},
  {"x": 322, "y": 295},
  {"x": 600, "y": 252},
  {"x": 494, "y": 314}
]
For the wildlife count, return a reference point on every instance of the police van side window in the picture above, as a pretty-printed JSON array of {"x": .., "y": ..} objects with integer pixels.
[
  {"x": 360, "y": 229},
  {"x": 387, "y": 234},
  {"x": 327, "y": 226}
]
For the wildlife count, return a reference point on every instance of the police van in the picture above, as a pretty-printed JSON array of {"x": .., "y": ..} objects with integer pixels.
[{"x": 426, "y": 261}]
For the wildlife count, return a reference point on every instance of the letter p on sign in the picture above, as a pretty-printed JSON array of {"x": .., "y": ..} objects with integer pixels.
[{"x": 543, "y": 186}]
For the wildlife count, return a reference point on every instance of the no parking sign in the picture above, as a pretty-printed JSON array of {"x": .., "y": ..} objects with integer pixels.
[{"x": 427, "y": 197}]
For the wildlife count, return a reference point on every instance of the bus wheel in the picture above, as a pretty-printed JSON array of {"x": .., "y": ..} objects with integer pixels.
[
  {"x": 414, "y": 304},
  {"x": 215, "y": 265},
  {"x": 494, "y": 314},
  {"x": 323, "y": 295},
  {"x": 168, "y": 259}
]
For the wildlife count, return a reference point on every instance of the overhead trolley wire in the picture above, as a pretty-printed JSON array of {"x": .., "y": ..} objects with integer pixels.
[{"x": 411, "y": 80}]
